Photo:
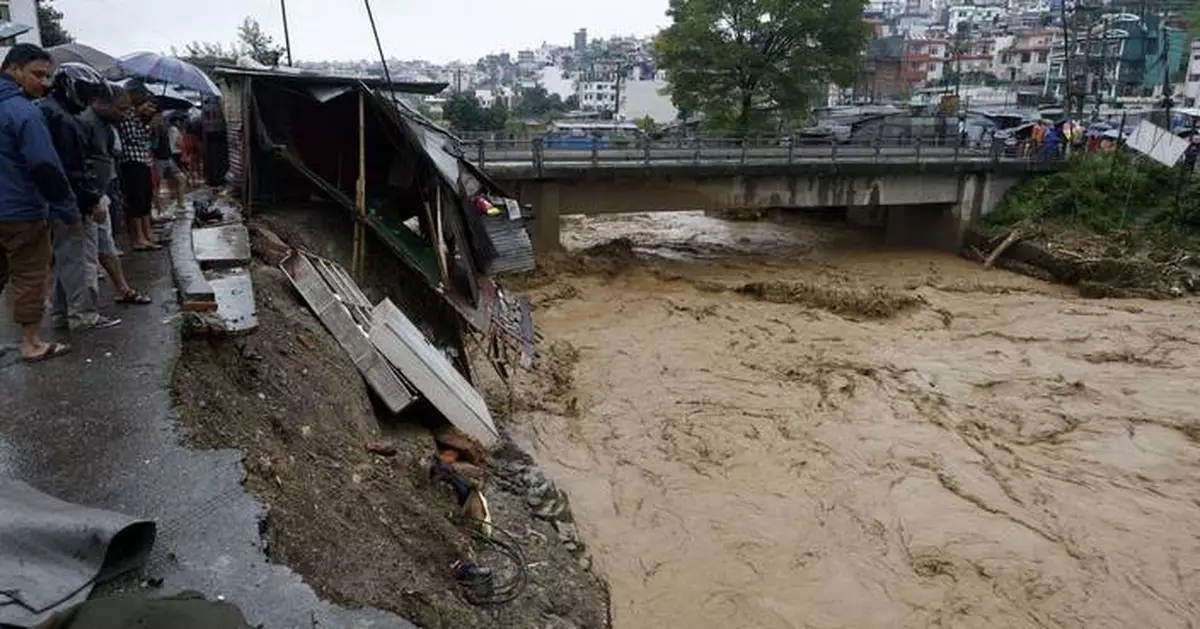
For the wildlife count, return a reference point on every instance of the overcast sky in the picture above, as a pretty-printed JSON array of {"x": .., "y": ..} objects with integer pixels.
[{"x": 437, "y": 30}]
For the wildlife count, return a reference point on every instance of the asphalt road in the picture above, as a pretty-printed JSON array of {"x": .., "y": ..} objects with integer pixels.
[{"x": 97, "y": 428}]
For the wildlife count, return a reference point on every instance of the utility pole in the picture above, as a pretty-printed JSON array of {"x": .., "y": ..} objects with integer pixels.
[
  {"x": 287, "y": 35},
  {"x": 1067, "y": 52}
]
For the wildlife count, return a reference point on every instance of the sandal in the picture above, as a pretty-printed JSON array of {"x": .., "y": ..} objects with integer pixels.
[
  {"x": 150, "y": 247},
  {"x": 134, "y": 297},
  {"x": 53, "y": 350}
]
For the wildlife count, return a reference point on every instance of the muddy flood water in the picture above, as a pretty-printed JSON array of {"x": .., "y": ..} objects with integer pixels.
[{"x": 1001, "y": 454}]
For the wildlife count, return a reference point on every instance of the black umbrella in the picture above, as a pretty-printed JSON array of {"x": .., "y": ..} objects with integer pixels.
[{"x": 102, "y": 62}]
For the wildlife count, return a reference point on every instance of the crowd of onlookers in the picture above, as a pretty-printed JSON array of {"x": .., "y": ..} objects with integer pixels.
[{"x": 81, "y": 164}]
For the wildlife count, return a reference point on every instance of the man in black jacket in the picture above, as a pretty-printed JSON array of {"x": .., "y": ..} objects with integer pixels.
[{"x": 76, "y": 293}]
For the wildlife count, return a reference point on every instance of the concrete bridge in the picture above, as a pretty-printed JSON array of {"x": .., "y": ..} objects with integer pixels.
[{"x": 921, "y": 195}]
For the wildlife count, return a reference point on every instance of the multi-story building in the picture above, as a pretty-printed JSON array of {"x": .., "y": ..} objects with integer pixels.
[
  {"x": 581, "y": 40},
  {"x": 973, "y": 17},
  {"x": 1191, "y": 85},
  {"x": 924, "y": 60},
  {"x": 597, "y": 91},
  {"x": 1123, "y": 60},
  {"x": 1024, "y": 57},
  {"x": 884, "y": 77},
  {"x": 22, "y": 12}
]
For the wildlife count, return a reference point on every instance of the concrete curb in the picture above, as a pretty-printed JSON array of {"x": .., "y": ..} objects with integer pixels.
[{"x": 195, "y": 293}]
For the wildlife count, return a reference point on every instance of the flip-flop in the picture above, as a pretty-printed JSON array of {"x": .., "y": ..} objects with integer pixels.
[
  {"x": 53, "y": 350},
  {"x": 134, "y": 297}
]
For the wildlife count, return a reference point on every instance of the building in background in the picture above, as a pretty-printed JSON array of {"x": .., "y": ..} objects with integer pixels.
[
  {"x": 1191, "y": 86},
  {"x": 597, "y": 91},
  {"x": 648, "y": 97},
  {"x": 1024, "y": 57},
  {"x": 22, "y": 12},
  {"x": 581, "y": 41}
]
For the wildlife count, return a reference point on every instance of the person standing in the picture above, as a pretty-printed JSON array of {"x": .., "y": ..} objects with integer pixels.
[
  {"x": 165, "y": 163},
  {"x": 31, "y": 176},
  {"x": 76, "y": 262},
  {"x": 137, "y": 163},
  {"x": 96, "y": 121}
]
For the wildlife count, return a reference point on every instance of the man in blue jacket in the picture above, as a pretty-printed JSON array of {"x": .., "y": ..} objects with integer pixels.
[{"x": 31, "y": 177}]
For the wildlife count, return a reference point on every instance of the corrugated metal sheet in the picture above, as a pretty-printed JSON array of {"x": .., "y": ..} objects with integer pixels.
[
  {"x": 430, "y": 372},
  {"x": 331, "y": 309},
  {"x": 514, "y": 249},
  {"x": 234, "y": 103}
]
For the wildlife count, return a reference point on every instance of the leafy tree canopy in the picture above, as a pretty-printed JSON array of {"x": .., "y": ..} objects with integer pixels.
[
  {"x": 747, "y": 63},
  {"x": 252, "y": 42},
  {"x": 50, "y": 24},
  {"x": 536, "y": 102},
  {"x": 464, "y": 112}
]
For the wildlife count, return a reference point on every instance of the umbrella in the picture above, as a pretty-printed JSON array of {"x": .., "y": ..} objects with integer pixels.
[
  {"x": 102, "y": 62},
  {"x": 149, "y": 65},
  {"x": 168, "y": 98}
]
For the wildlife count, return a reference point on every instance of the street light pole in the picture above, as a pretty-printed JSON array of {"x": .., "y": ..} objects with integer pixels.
[{"x": 287, "y": 36}]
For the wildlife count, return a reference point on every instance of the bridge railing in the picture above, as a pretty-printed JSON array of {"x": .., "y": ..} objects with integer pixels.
[{"x": 611, "y": 153}]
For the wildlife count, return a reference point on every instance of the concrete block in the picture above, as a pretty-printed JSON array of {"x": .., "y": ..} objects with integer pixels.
[
  {"x": 236, "y": 313},
  {"x": 189, "y": 278},
  {"x": 222, "y": 247}
]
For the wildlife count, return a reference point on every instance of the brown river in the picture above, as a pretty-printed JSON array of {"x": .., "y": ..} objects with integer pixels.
[{"x": 1001, "y": 454}]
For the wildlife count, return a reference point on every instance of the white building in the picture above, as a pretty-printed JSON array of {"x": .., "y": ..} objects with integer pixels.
[
  {"x": 648, "y": 98},
  {"x": 552, "y": 78},
  {"x": 22, "y": 12},
  {"x": 597, "y": 93},
  {"x": 1191, "y": 86},
  {"x": 971, "y": 15}
]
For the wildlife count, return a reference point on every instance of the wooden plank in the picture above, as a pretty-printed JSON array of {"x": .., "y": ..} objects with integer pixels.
[{"x": 427, "y": 369}]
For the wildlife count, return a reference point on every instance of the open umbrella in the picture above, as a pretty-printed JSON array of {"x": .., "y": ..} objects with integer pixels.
[
  {"x": 149, "y": 65},
  {"x": 102, "y": 62}
]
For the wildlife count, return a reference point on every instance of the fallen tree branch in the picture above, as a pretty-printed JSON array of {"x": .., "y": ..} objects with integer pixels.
[{"x": 1016, "y": 234}]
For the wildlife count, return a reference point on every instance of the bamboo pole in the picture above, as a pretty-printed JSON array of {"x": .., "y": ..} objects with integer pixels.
[{"x": 360, "y": 196}]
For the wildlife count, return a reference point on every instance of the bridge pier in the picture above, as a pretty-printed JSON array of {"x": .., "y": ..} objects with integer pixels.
[{"x": 546, "y": 199}]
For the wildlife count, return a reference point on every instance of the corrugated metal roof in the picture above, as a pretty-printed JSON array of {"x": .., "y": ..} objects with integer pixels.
[
  {"x": 514, "y": 249},
  {"x": 313, "y": 78}
]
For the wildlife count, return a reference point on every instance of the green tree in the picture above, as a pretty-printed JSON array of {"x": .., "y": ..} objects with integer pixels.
[
  {"x": 464, "y": 112},
  {"x": 258, "y": 45},
  {"x": 497, "y": 116},
  {"x": 571, "y": 103},
  {"x": 536, "y": 102},
  {"x": 49, "y": 20},
  {"x": 647, "y": 125},
  {"x": 742, "y": 63}
]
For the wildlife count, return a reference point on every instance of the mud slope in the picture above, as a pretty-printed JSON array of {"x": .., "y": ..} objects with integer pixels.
[{"x": 364, "y": 530}]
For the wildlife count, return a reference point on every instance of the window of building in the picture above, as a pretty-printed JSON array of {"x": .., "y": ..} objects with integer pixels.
[
  {"x": 5, "y": 11},
  {"x": 1194, "y": 78},
  {"x": 1042, "y": 57},
  {"x": 1025, "y": 57}
]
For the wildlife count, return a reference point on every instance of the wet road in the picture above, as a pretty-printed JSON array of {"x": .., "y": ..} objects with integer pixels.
[
  {"x": 97, "y": 428},
  {"x": 1003, "y": 454}
]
